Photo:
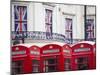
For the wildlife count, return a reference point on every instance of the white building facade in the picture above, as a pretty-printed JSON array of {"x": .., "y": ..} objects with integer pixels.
[{"x": 64, "y": 21}]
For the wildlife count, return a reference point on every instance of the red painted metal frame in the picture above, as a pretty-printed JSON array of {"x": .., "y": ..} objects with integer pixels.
[
  {"x": 67, "y": 55},
  {"x": 94, "y": 56},
  {"x": 58, "y": 55},
  {"x": 88, "y": 54}
]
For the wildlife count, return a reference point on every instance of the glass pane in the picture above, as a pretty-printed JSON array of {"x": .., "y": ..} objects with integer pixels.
[
  {"x": 17, "y": 67},
  {"x": 82, "y": 66},
  {"x": 67, "y": 67},
  {"x": 35, "y": 62},
  {"x": 35, "y": 69},
  {"x": 51, "y": 61},
  {"x": 67, "y": 61},
  {"x": 81, "y": 60},
  {"x": 50, "y": 65},
  {"x": 35, "y": 66},
  {"x": 18, "y": 70},
  {"x": 51, "y": 68}
]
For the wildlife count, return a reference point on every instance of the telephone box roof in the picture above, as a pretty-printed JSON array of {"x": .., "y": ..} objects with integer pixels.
[
  {"x": 39, "y": 44},
  {"x": 88, "y": 42}
]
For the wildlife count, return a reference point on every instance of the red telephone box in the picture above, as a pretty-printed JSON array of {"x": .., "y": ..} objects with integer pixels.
[
  {"x": 35, "y": 59},
  {"x": 52, "y": 58},
  {"x": 19, "y": 57},
  {"x": 82, "y": 56},
  {"x": 94, "y": 52},
  {"x": 67, "y": 53}
]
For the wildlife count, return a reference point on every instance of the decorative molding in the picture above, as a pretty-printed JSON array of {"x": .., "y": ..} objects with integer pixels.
[
  {"x": 68, "y": 14},
  {"x": 49, "y": 4}
]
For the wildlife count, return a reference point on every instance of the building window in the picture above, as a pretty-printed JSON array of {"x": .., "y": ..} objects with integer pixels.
[
  {"x": 48, "y": 22},
  {"x": 35, "y": 66},
  {"x": 89, "y": 29},
  {"x": 50, "y": 65},
  {"x": 68, "y": 30},
  {"x": 67, "y": 64},
  {"x": 20, "y": 18},
  {"x": 17, "y": 67},
  {"x": 82, "y": 63}
]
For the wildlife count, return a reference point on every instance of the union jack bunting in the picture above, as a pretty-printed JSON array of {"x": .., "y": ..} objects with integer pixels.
[
  {"x": 20, "y": 18},
  {"x": 89, "y": 29},
  {"x": 68, "y": 28}
]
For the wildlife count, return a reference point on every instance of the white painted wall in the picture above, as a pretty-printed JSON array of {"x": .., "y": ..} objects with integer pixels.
[
  {"x": 59, "y": 26},
  {"x": 54, "y": 28},
  {"x": 91, "y": 10},
  {"x": 80, "y": 22},
  {"x": 12, "y": 19},
  {"x": 39, "y": 17},
  {"x": 30, "y": 17}
]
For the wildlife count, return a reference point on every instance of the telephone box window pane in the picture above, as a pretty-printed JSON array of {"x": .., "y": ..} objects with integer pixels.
[
  {"x": 51, "y": 68},
  {"x": 82, "y": 63},
  {"x": 67, "y": 67},
  {"x": 50, "y": 65},
  {"x": 67, "y": 64},
  {"x": 82, "y": 66},
  {"x": 35, "y": 62},
  {"x": 67, "y": 61},
  {"x": 35, "y": 69},
  {"x": 35, "y": 66},
  {"x": 82, "y": 60},
  {"x": 51, "y": 61},
  {"x": 17, "y": 67}
]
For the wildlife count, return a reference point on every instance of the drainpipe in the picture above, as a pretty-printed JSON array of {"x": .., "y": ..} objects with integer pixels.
[{"x": 85, "y": 17}]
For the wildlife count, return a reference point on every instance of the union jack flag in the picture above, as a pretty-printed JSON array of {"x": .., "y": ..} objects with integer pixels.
[
  {"x": 48, "y": 22},
  {"x": 48, "y": 16},
  {"x": 20, "y": 18},
  {"x": 89, "y": 29},
  {"x": 68, "y": 28}
]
